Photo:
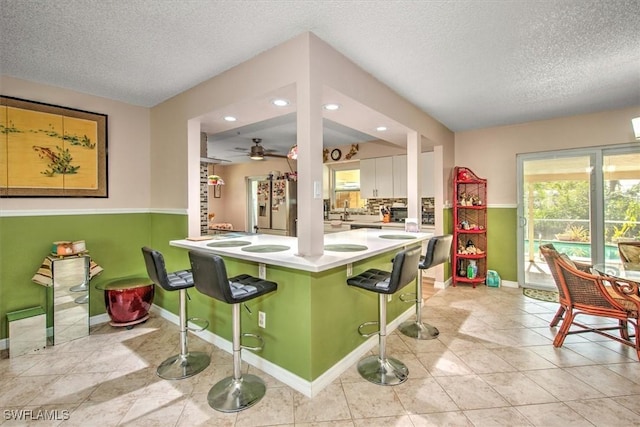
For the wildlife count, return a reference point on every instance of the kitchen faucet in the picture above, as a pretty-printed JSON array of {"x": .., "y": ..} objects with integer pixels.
[{"x": 345, "y": 216}]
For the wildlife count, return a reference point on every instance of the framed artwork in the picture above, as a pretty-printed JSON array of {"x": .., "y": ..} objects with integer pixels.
[
  {"x": 217, "y": 191},
  {"x": 51, "y": 151}
]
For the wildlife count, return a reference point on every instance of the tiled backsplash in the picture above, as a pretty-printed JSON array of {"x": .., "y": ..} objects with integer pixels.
[
  {"x": 372, "y": 206},
  {"x": 204, "y": 198}
]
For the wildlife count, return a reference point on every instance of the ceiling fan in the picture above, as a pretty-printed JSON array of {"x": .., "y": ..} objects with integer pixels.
[{"x": 258, "y": 152}]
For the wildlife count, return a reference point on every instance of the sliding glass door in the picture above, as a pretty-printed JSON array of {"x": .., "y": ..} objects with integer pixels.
[
  {"x": 582, "y": 201},
  {"x": 621, "y": 173}
]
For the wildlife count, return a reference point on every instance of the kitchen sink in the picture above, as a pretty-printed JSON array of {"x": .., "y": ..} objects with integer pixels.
[
  {"x": 266, "y": 248},
  {"x": 228, "y": 243},
  {"x": 397, "y": 236},
  {"x": 345, "y": 247}
]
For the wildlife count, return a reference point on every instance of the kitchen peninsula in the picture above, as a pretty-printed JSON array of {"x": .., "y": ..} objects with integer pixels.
[{"x": 312, "y": 319}]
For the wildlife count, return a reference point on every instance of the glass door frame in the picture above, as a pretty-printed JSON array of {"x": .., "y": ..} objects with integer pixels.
[{"x": 596, "y": 186}]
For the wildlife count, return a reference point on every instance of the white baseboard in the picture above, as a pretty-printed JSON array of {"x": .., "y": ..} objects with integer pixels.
[
  {"x": 98, "y": 319},
  {"x": 308, "y": 388},
  {"x": 442, "y": 285},
  {"x": 509, "y": 284}
]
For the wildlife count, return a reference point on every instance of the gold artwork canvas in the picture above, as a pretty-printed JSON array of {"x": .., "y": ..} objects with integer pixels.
[{"x": 51, "y": 151}]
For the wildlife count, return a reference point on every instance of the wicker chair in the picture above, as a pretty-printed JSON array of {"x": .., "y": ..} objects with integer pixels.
[
  {"x": 629, "y": 251},
  {"x": 550, "y": 254},
  {"x": 602, "y": 296}
]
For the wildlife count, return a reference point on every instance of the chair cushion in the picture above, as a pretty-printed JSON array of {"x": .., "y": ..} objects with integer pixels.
[
  {"x": 568, "y": 260},
  {"x": 372, "y": 280},
  {"x": 238, "y": 289},
  {"x": 245, "y": 287},
  {"x": 628, "y": 305},
  {"x": 180, "y": 279}
]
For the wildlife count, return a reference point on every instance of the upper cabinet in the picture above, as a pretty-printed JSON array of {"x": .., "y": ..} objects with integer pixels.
[
  {"x": 376, "y": 178},
  {"x": 426, "y": 172},
  {"x": 399, "y": 176},
  {"x": 387, "y": 177}
]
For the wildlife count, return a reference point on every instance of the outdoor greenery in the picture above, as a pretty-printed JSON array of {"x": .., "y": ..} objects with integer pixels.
[{"x": 561, "y": 210}]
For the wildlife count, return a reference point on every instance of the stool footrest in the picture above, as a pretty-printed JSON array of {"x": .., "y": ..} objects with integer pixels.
[
  {"x": 197, "y": 319},
  {"x": 412, "y": 295},
  {"x": 373, "y": 322},
  {"x": 258, "y": 337}
]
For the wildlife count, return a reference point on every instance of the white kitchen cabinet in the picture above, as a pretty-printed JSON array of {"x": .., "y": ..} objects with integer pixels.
[
  {"x": 399, "y": 176},
  {"x": 426, "y": 172},
  {"x": 376, "y": 177}
]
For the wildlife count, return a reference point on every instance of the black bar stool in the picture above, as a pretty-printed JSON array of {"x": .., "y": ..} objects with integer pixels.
[
  {"x": 185, "y": 364},
  {"x": 438, "y": 252},
  {"x": 239, "y": 391},
  {"x": 381, "y": 369}
]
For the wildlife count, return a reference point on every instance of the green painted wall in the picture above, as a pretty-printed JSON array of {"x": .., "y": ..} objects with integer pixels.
[
  {"x": 113, "y": 241},
  {"x": 502, "y": 242},
  {"x": 304, "y": 317}
]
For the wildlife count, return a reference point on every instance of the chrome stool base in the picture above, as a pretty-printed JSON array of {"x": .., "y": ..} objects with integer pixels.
[
  {"x": 389, "y": 371},
  {"x": 419, "y": 330},
  {"x": 233, "y": 395},
  {"x": 183, "y": 366}
]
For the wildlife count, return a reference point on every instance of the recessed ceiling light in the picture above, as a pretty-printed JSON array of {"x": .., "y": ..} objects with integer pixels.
[
  {"x": 230, "y": 119},
  {"x": 331, "y": 107},
  {"x": 280, "y": 102},
  {"x": 381, "y": 128}
]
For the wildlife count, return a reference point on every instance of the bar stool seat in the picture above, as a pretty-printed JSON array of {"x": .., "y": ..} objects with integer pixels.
[
  {"x": 381, "y": 369},
  {"x": 185, "y": 364},
  {"x": 237, "y": 392},
  {"x": 438, "y": 252}
]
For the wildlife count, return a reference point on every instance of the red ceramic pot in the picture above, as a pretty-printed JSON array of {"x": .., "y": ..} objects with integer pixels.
[{"x": 128, "y": 301}]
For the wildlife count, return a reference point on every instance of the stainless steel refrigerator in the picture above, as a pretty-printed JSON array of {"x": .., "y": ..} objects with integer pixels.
[{"x": 277, "y": 207}]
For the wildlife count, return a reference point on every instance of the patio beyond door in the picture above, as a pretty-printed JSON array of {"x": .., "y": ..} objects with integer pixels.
[{"x": 582, "y": 201}]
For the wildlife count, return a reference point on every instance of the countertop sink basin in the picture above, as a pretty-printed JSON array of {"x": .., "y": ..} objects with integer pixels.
[
  {"x": 397, "y": 237},
  {"x": 228, "y": 243},
  {"x": 345, "y": 247},
  {"x": 266, "y": 248}
]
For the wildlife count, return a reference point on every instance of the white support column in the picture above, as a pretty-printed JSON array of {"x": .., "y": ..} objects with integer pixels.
[
  {"x": 310, "y": 211},
  {"x": 414, "y": 202},
  {"x": 439, "y": 186}
]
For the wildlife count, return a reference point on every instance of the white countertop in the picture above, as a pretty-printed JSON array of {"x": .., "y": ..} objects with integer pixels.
[{"x": 330, "y": 259}]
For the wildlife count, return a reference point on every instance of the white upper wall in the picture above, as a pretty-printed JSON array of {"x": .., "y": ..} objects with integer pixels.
[
  {"x": 491, "y": 152},
  {"x": 128, "y": 145}
]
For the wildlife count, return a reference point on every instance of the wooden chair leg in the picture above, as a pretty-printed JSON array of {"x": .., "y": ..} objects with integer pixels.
[
  {"x": 624, "y": 331},
  {"x": 557, "y": 317},
  {"x": 637, "y": 338},
  {"x": 564, "y": 329}
]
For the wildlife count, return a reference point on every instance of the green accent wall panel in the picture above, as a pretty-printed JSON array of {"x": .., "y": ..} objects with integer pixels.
[
  {"x": 502, "y": 242},
  {"x": 312, "y": 318},
  {"x": 113, "y": 241}
]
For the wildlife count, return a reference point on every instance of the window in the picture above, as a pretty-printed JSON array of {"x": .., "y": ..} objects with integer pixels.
[{"x": 346, "y": 188}]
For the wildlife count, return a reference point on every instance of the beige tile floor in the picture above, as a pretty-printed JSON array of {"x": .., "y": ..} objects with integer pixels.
[{"x": 492, "y": 365}]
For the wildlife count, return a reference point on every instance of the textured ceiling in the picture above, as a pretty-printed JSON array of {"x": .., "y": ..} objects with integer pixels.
[{"x": 469, "y": 64}]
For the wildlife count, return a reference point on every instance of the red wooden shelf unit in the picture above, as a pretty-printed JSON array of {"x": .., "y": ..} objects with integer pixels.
[{"x": 469, "y": 226}]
